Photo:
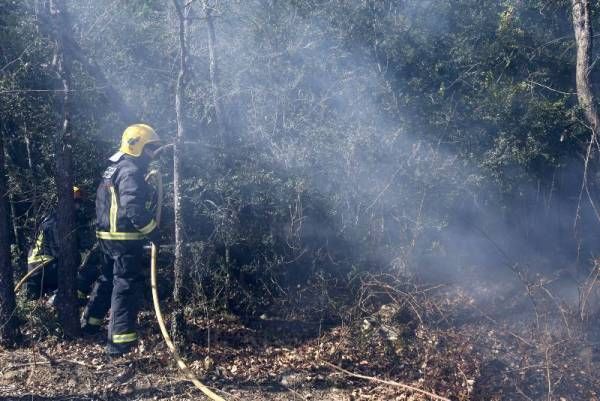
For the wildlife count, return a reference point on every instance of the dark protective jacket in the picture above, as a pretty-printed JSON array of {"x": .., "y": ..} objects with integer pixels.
[
  {"x": 45, "y": 248},
  {"x": 46, "y": 245},
  {"x": 123, "y": 202}
]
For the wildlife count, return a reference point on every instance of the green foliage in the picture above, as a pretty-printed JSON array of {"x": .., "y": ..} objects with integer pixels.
[{"x": 365, "y": 132}]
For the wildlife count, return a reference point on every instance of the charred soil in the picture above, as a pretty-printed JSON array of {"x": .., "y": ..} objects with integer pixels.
[{"x": 442, "y": 339}]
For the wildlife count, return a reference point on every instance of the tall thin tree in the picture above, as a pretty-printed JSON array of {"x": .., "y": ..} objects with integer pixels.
[
  {"x": 88, "y": 64},
  {"x": 18, "y": 235},
  {"x": 66, "y": 301},
  {"x": 213, "y": 71},
  {"x": 178, "y": 320},
  {"x": 8, "y": 321},
  {"x": 584, "y": 41},
  {"x": 582, "y": 26}
]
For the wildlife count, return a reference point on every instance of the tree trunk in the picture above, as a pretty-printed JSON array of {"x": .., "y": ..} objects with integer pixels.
[
  {"x": 583, "y": 37},
  {"x": 8, "y": 321},
  {"x": 214, "y": 77},
  {"x": 178, "y": 321},
  {"x": 70, "y": 46},
  {"x": 125, "y": 113},
  {"x": 13, "y": 156},
  {"x": 21, "y": 240},
  {"x": 584, "y": 41},
  {"x": 27, "y": 140},
  {"x": 66, "y": 300},
  {"x": 18, "y": 236}
]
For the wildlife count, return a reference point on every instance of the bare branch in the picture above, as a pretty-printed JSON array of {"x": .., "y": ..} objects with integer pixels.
[{"x": 388, "y": 382}]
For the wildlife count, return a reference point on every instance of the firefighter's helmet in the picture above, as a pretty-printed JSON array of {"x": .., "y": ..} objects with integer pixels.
[{"x": 135, "y": 137}]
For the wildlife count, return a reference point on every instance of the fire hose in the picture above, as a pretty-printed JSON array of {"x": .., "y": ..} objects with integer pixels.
[
  {"x": 154, "y": 174},
  {"x": 43, "y": 264},
  {"x": 31, "y": 273},
  {"x": 159, "y": 317}
]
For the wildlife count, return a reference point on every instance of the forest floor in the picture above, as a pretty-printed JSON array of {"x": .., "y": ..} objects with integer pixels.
[{"x": 448, "y": 340}]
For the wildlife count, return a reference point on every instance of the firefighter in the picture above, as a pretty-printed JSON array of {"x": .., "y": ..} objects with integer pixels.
[
  {"x": 124, "y": 224},
  {"x": 45, "y": 250}
]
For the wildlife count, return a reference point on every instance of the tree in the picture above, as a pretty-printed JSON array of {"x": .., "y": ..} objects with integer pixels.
[
  {"x": 221, "y": 121},
  {"x": 8, "y": 321},
  {"x": 582, "y": 26},
  {"x": 178, "y": 322},
  {"x": 66, "y": 300}
]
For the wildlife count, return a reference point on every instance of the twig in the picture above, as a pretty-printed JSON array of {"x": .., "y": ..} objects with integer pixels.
[
  {"x": 586, "y": 294},
  {"x": 550, "y": 89},
  {"x": 15, "y": 60},
  {"x": 24, "y": 365},
  {"x": 548, "y": 376},
  {"x": 560, "y": 309},
  {"x": 384, "y": 189},
  {"x": 388, "y": 382},
  {"x": 584, "y": 182},
  {"x": 522, "y": 393},
  {"x": 74, "y": 362},
  {"x": 464, "y": 377},
  {"x": 494, "y": 321},
  {"x": 537, "y": 366},
  {"x": 19, "y": 91},
  {"x": 291, "y": 390}
]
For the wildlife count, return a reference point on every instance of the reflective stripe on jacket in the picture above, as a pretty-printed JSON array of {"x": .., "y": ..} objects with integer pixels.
[
  {"x": 121, "y": 200},
  {"x": 45, "y": 247}
]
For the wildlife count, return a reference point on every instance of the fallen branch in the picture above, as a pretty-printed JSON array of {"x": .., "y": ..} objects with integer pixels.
[
  {"x": 495, "y": 322},
  {"x": 388, "y": 382},
  {"x": 74, "y": 362},
  {"x": 291, "y": 390},
  {"x": 11, "y": 368}
]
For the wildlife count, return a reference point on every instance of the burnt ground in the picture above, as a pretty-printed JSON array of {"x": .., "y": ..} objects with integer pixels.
[{"x": 458, "y": 343}]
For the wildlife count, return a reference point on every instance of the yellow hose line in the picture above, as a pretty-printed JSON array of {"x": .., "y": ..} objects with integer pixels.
[
  {"x": 159, "y": 317},
  {"x": 40, "y": 266},
  {"x": 30, "y": 273},
  {"x": 188, "y": 372}
]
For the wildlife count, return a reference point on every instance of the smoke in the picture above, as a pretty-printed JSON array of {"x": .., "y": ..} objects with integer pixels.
[{"x": 311, "y": 89}]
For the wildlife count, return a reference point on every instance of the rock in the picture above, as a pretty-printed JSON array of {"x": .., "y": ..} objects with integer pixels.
[
  {"x": 11, "y": 375},
  {"x": 127, "y": 389},
  {"x": 291, "y": 380},
  {"x": 209, "y": 363}
]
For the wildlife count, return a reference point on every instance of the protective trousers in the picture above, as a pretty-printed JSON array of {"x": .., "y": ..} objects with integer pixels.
[
  {"x": 119, "y": 289},
  {"x": 86, "y": 277},
  {"x": 45, "y": 280}
]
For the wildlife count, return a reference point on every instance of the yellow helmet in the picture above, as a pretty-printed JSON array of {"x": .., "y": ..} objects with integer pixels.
[{"x": 135, "y": 137}]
